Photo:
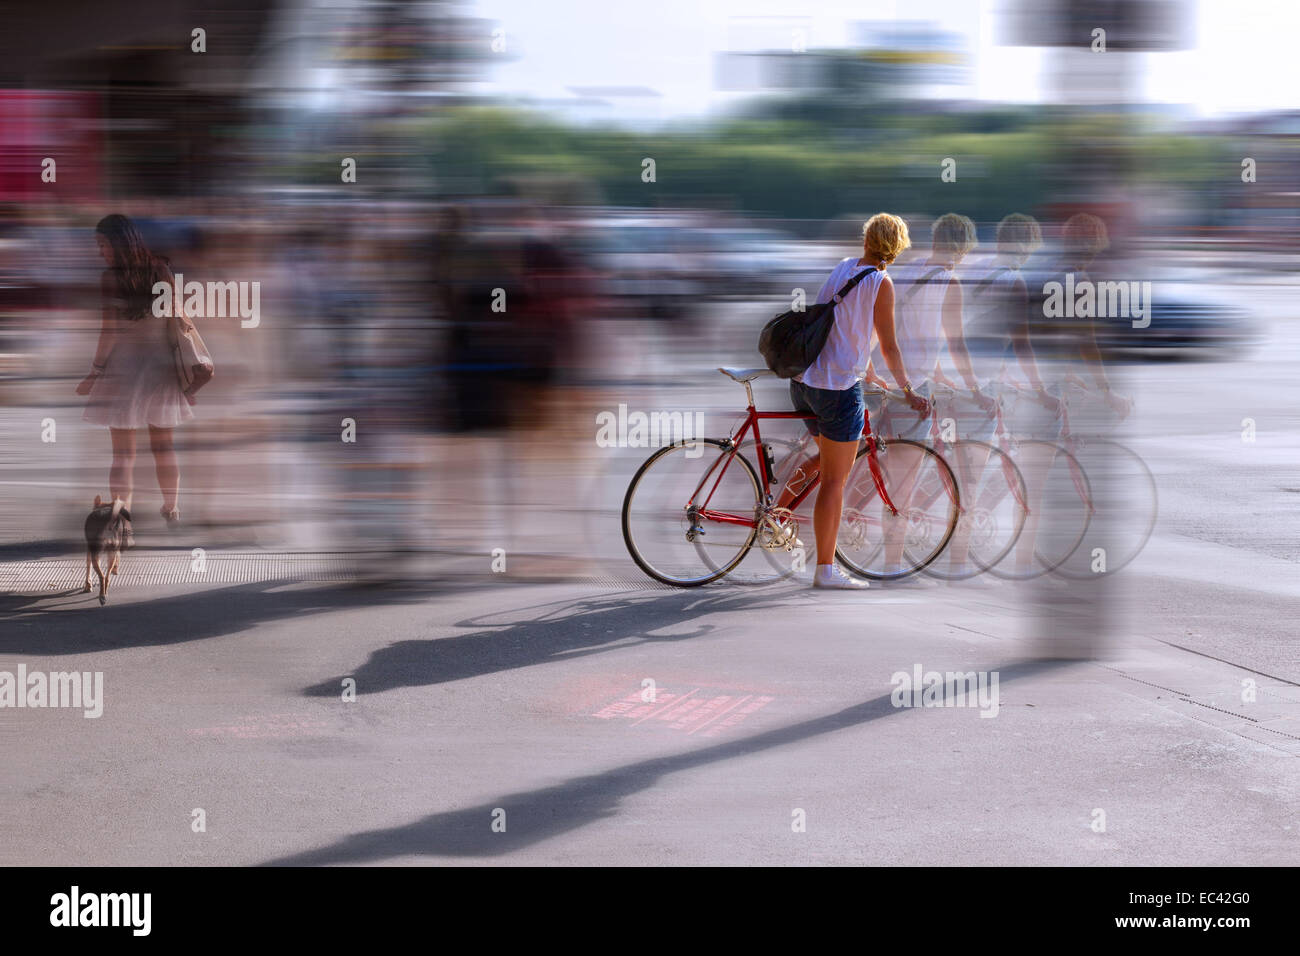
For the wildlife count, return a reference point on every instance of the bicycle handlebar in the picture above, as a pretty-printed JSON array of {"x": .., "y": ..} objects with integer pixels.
[
  {"x": 949, "y": 392},
  {"x": 886, "y": 392}
]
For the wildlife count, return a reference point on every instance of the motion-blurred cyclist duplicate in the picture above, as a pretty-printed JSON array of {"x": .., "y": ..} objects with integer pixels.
[
  {"x": 831, "y": 388},
  {"x": 1083, "y": 238},
  {"x": 930, "y": 316},
  {"x": 999, "y": 326}
]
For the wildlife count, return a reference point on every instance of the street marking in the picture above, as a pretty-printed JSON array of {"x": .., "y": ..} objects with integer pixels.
[{"x": 689, "y": 711}]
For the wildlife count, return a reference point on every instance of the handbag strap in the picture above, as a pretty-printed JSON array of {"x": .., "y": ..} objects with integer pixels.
[{"x": 178, "y": 322}]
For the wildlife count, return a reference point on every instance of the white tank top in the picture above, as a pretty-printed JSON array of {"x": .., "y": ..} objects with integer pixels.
[{"x": 843, "y": 361}]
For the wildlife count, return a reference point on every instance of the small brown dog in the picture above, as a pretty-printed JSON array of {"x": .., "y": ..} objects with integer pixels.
[{"x": 108, "y": 532}]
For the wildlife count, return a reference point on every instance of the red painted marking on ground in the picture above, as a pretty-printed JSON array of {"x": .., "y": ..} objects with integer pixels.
[
  {"x": 756, "y": 704},
  {"x": 673, "y": 703},
  {"x": 582, "y": 695},
  {"x": 718, "y": 711},
  {"x": 691, "y": 711}
]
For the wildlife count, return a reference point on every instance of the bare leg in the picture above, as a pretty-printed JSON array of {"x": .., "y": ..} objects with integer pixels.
[
  {"x": 971, "y": 458},
  {"x": 165, "y": 465},
  {"x": 836, "y": 462},
  {"x": 1035, "y": 463},
  {"x": 902, "y": 473},
  {"x": 121, "y": 477}
]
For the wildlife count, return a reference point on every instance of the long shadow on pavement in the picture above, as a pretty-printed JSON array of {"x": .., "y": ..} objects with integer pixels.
[
  {"x": 566, "y": 631},
  {"x": 34, "y": 625},
  {"x": 537, "y": 815}
]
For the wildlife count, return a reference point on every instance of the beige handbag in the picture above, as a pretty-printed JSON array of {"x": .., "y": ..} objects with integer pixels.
[{"x": 194, "y": 367}]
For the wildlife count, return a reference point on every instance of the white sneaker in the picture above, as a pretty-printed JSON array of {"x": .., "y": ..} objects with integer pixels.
[{"x": 830, "y": 576}]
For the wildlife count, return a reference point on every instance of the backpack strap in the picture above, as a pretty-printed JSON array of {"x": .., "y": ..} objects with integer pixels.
[
  {"x": 849, "y": 286},
  {"x": 983, "y": 285}
]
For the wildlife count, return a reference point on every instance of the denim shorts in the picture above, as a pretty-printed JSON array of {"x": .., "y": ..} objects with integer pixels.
[{"x": 841, "y": 416}]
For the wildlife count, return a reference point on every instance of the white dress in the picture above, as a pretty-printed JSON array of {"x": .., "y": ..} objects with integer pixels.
[{"x": 138, "y": 386}]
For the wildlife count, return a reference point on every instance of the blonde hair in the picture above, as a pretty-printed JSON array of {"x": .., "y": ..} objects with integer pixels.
[
  {"x": 1019, "y": 234},
  {"x": 953, "y": 233},
  {"x": 885, "y": 236},
  {"x": 1084, "y": 234}
]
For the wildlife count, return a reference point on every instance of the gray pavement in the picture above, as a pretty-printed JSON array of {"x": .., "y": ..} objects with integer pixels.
[
  {"x": 517, "y": 698},
  {"x": 528, "y": 699}
]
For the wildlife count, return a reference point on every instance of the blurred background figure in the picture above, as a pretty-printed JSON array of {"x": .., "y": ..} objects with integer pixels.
[{"x": 133, "y": 384}]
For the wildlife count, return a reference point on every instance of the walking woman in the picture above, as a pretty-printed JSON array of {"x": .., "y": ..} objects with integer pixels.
[{"x": 132, "y": 382}]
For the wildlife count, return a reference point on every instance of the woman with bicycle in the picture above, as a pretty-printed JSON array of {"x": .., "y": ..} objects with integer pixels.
[
  {"x": 696, "y": 508},
  {"x": 930, "y": 318},
  {"x": 831, "y": 388}
]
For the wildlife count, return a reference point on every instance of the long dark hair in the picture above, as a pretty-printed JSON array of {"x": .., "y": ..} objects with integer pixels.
[{"x": 135, "y": 268}]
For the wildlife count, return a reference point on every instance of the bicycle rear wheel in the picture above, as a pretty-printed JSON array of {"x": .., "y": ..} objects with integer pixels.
[
  {"x": 876, "y": 543},
  {"x": 690, "y": 513}
]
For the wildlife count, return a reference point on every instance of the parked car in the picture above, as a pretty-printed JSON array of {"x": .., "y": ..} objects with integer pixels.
[{"x": 1187, "y": 313}]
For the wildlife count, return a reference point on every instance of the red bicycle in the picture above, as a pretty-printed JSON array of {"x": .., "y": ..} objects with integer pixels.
[{"x": 696, "y": 508}]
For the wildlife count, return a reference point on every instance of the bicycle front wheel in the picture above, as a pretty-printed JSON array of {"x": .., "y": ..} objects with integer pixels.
[
  {"x": 691, "y": 511},
  {"x": 1122, "y": 492},
  {"x": 993, "y": 497},
  {"x": 885, "y": 540},
  {"x": 1060, "y": 509}
]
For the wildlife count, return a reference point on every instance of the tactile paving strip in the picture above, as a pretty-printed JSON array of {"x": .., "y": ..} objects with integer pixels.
[
  {"x": 143, "y": 568},
  {"x": 178, "y": 568}
]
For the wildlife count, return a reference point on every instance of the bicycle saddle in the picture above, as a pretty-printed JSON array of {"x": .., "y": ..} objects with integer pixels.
[{"x": 743, "y": 375}]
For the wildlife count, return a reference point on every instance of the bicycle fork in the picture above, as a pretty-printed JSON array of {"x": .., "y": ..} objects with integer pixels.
[{"x": 873, "y": 463}]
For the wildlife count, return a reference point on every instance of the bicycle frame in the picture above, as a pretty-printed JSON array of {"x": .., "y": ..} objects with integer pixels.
[
  {"x": 731, "y": 448},
  {"x": 943, "y": 447},
  {"x": 1068, "y": 443},
  {"x": 1003, "y": 440}
]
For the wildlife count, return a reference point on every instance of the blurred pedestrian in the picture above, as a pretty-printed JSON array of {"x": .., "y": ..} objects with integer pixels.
[{"x": 132, "y": 382}]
